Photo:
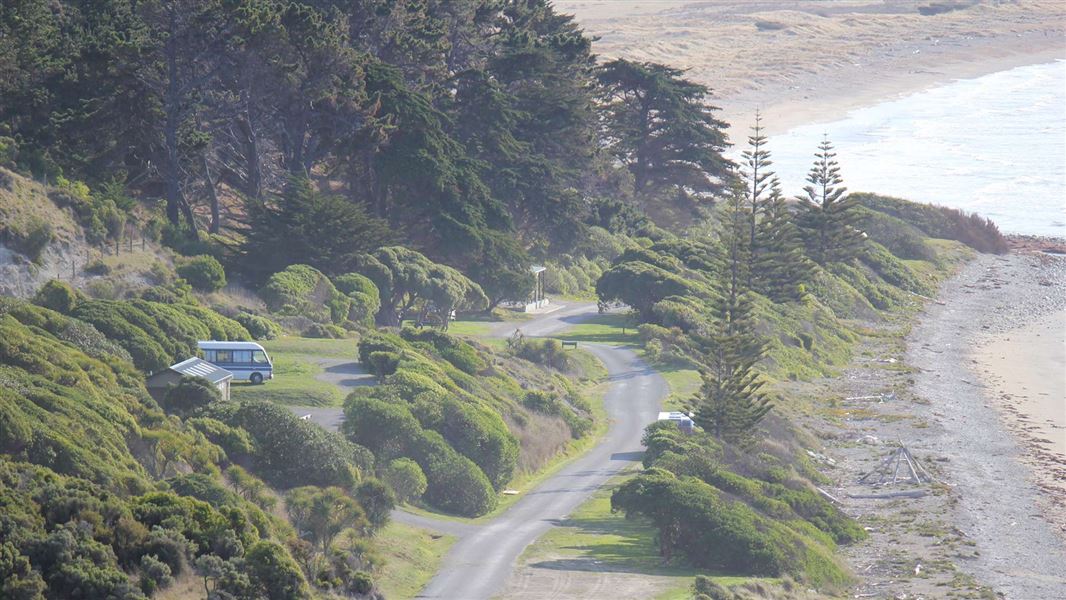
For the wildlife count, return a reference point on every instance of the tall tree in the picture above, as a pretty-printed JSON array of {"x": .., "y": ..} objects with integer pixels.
[
  {"x": 781, "y": 266},
  {"x": 188, "y": 41},
  {"x": 829, "y": 216},
  {"x": 731, "y": 402},
  {"x": 661, "y": 127},
  {"x": 758, "y": 180}
]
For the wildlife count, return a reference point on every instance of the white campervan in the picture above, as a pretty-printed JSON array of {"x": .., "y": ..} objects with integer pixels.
[{"x": 246, "y": 360}]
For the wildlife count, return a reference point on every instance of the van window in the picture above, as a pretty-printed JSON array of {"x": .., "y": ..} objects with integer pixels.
[
  {"x": 259, "y": 357},
  {"x": 242, "y": 356},
  {"x": 223, "y": 356}
]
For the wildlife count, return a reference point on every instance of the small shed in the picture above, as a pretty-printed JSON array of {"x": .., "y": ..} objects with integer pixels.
[{"x": 158, "y": 383}]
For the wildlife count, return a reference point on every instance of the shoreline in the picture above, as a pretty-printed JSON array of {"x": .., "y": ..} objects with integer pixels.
[
  {"x": 1024, "y": 373},
  {"x": 835, "y": 99},
  {"x": 999, "y": 504}
]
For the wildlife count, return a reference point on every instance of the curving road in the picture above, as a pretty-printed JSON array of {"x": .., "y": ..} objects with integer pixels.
[{"x": 481, "y": 561}]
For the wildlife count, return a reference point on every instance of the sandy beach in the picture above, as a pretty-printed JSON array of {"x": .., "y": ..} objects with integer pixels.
[
  {"x": 1024, "y": 371},
  {"x": 809, "y": 61}
]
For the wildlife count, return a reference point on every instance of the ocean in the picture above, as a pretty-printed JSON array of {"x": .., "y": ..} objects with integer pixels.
[{"x": 994, "y": 145}]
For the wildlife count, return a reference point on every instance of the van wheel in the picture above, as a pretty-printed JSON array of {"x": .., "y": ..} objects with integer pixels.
[{"x": 256, "y": 379}]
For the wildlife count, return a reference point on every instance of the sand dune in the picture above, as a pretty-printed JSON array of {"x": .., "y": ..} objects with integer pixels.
[{"x": 809, "y": 60}]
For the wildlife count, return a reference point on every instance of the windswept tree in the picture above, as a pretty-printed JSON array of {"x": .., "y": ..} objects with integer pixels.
[
  {"x": 640, "y": 285},
  {"x": 661, "y": 127},
  {"x": 829, "y": 219},
  {"x": 408, "y": 281}
]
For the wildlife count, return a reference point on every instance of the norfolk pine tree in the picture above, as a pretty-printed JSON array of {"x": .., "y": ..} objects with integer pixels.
[
  {"x": 781, "y": 266},
  {"x": 776, "y": 265},
  {"x": 830, "y": 216},
  {"x": 758, "y": 178},
  {"x": 731, "y": 402}
]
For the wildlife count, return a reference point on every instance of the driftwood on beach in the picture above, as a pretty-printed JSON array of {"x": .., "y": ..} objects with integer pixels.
[{"x": 899, "y": 466}]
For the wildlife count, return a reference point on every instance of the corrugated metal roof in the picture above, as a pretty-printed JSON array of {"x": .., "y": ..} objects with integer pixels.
[{"x": 201, "y": 368}]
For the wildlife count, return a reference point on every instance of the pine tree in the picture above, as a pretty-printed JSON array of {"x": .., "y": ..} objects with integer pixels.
[
  {"x": 757, "y": 179},
  {"x": 731, "y": 401},
  {"x": 781, "y": 266},
  {"x": 829, "y": 215}
]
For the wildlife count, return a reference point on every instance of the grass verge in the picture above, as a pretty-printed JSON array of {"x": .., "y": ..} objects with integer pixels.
[
  {"x": 412, "y": 557},
  {"x": 613, "y": 543}
]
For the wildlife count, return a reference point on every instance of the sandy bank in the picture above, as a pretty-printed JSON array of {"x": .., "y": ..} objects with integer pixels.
[{"x": 808, "y": 61}]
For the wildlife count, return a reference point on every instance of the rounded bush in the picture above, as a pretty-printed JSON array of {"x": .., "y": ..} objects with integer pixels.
[
  {"x": 261, "y": 328},
  {"x": 304, "y": 291},
  {"x": 190, "y": 394},
  {"x": 57, "y": 296},
  {"x": 324, "y": 331},
  {"x": 203, "y": 272},
  {"x": 406, "y": 479}
]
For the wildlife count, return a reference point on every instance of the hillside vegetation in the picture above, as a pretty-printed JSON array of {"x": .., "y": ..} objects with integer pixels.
[{"x": 362, "y": 173}]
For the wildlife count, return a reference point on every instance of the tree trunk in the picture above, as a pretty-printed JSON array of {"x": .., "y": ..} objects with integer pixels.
[{"x": 212, "y": 195}]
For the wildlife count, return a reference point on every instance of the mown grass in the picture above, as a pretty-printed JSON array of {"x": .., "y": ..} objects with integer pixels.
[
  {"x": 412, "y": 557},
  {"x": 610, "y": 328},
  {"x": 683, "y": 379},
  {"x": 343, "y": 348},
  {"x": 593, "y": 533},
  {"x": 296, "y": 371}
]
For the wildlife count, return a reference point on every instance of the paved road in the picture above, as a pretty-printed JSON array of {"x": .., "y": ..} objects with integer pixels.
[
  {"x": 479, "y": 564},
  {"x": 343, "y": 373}
]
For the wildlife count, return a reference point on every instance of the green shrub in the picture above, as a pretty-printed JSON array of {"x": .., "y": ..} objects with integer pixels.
[
  {"x": 189, "y": 395},
  {"x": 480, "y": 434},
  {"x": 547, "y": 352},
  {"x": 390, "y": 431},
  {"x": 975, "y": 231},
  {"x": 304, "y": 291},
  {"x": 454, "y": 483},
  {"x": 383, "y": 364},
  {"x": 377, "y": 501},
  {"x": 324, "y": 331},
  {"x": 203, "y": 272},
  {"x": 706, "y": 587},
  {"x": 716, "y": 533},
  {"x": 260, "y": 328},
  {"x": 542, "y": 402},
  {"x": 376, "y": 341},
  {"x": 57, "y": 296},
  {"x": 364, "y": 297},
  {"x": 274, "y": 574},
  {"x": 291, "y": 452},
  {"x": 405, "y": 478},
  {"x": 155, "y": 574}
]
